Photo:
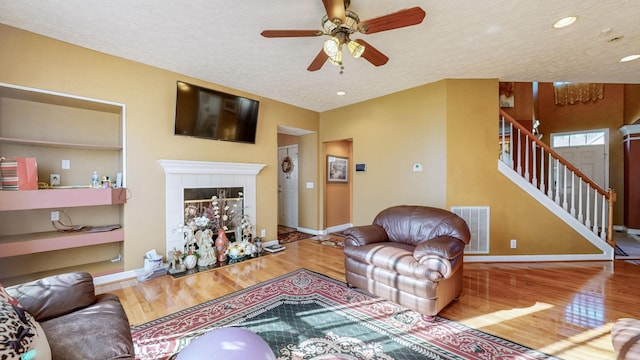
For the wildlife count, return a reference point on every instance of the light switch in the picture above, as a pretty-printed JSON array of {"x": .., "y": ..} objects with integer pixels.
[
  {"x": 309, "y": 185},
  {"x": 66, "y": 164}
]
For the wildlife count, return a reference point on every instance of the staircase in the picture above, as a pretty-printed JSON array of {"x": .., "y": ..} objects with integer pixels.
[{"x": 556, "y": 184}]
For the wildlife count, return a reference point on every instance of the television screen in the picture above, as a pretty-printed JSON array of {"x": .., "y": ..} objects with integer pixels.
[{"x": 210, "y": 114}]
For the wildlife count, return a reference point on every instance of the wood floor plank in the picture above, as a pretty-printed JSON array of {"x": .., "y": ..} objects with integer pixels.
[{"x": 565, "y": 309}]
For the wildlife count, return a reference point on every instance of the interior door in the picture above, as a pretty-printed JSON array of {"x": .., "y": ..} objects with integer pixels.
[
  {"x": 288, "y": 188},
  {"x": 588, "y": 159}
]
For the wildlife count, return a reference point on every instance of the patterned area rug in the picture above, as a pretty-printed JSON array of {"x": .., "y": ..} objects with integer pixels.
[
  {"x": 292, "y": 236},
  {"x": 330, "y": 240},
  {"x": 304, "y": 315}
]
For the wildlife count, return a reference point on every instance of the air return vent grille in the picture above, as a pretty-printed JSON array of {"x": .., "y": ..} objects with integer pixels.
[{"x": 477, "y": 218}]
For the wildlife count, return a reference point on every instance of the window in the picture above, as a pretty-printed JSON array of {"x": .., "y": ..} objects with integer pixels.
[{"x": 586, "y": 138}]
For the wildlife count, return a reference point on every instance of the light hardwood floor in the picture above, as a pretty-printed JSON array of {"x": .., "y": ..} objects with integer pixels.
[{"x": 565, "y": 309}]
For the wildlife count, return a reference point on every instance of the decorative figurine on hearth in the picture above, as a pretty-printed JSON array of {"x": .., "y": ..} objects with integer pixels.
[
  {"x": 204, "y": 239},
  {"x": 175, "y": 261}
]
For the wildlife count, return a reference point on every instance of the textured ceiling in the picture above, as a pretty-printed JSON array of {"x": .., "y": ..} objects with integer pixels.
[{"x": 219, "y": 41}]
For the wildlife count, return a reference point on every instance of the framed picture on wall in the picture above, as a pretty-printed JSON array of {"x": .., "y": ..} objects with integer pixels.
[{"x": 337, "y": 169}]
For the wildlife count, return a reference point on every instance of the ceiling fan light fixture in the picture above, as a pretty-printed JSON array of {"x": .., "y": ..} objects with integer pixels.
[
  {"x": 355, "y": 49},
  {"x": 337, "y": 59},
  {"x": 331, "y": 47}
]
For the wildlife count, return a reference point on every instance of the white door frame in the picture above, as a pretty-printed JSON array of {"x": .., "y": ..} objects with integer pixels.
[{"x": 294, "y": 174}]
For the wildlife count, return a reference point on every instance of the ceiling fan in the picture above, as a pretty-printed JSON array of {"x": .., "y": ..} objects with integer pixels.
[{"x": 340, "y": 23}]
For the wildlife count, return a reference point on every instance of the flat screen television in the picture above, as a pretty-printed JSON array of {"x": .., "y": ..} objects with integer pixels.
[{"x": 210, "y": 114}]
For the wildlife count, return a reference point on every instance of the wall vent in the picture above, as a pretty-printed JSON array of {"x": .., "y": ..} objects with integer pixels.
[{"x": 477, "y": 218}]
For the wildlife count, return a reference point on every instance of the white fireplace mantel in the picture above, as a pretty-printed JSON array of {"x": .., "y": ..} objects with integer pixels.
[
  {"x": 209, "y": 167},
  {"x": 181, "y": 174}
]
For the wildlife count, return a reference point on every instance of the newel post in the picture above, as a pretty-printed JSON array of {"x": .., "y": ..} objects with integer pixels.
[{"x": 612, "y": 200}]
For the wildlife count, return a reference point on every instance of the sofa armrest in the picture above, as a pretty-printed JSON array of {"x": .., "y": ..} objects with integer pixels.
[
  {"x": 55, "y": 295},
  {"x": 442, "y": 255},
  {"x": 363, "y": 235},
  {"x": 445, "y": 246}
]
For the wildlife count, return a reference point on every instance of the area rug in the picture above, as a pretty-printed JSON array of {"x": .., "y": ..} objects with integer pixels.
[
  {"x": 329, "y": 240},
  {"x": 304, "y": 315},
  {"x": 292, "y": 236}
]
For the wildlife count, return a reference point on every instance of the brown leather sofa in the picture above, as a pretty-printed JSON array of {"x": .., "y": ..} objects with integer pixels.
[
  {"x": 78, "y": 324},
  {"x": 411, "y": 255}
]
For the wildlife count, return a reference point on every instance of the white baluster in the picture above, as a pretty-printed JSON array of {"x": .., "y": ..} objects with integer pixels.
[
  {"x": 580, "y": 214},
  {"x": 511, "y": 156},
  {"x": 550, "y": 183},
  {"x": 573, "y": 194},
  {"x": 557, "y": 181},
  {"x": 587, "y": 222},
  {"x": 565, "y": 205},
  {"x": 595, "y": 212},
  {"x": 526, "y": 157},
  {"x": 603, "y": 228},
  {"x": 519, "y": 154},
  {"x": 534, "y": 180},
  {"x": 542, "y": 186}
]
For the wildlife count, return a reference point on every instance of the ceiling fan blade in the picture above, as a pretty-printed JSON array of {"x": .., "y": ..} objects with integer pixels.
[
  {"x": 402, "y": 18},
  {"x": 372, "y": 54},
  {"x": 335, "y": 9},
  {"x": 317, "y": 63},
  {"x": 290, "y": 33}
]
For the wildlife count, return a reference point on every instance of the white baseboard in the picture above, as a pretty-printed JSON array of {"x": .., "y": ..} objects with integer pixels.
[
  {"x": 310, "y": 231},
  {"x": 105, "y": 279},
  {"x": 338, "y": 228},
  {"x": 633, "y": 231}
]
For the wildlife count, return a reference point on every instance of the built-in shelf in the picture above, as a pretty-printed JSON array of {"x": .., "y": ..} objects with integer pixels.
[
  {"x": 25, "y": 244},
  {"x": 100, "y": 268},
  {"x": 59, "y": 129},
  {"x": 59, "y": 145},
  {"x": 60, "y": 198}
]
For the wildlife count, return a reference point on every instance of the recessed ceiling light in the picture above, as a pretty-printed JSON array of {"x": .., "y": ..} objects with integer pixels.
[
  {"x": 630, "y": 58},
  {"x": 341, "y": 93},
  {"x": 565, "y": 22}
]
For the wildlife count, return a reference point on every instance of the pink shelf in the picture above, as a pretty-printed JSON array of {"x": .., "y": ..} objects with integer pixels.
[
  {"x": 56, "y": 144},
  {"x": 49, "y": 241},
  {"x": 60, "y": 198}
]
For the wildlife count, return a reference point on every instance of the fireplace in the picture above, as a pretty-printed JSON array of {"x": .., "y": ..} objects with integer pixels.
[
  {"x": 185, "y": 174},
  {"x": 219, "y": 207}
]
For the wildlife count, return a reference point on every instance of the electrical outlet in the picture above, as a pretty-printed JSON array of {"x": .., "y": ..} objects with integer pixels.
[
  {"x": 55, "y": 215},
  {"x": 514, "y": 243},
  {"x": 263, "y": 233}
]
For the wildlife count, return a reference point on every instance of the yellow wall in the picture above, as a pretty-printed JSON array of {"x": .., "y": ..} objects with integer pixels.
[
  {"x": 450, "y": 127},
  {"x": 149, "y": 93},
  {"x": 308, "y": 216},
  {"x": 473, "y": 178},
  {"x": 389, "y": 135}
]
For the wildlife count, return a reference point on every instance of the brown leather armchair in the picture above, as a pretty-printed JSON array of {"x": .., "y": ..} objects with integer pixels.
[
  {"x": 411, "y": 255},
  {"x": 78, "y": 324}
]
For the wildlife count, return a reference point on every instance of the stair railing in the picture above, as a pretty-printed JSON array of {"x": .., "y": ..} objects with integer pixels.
[{"x": 563, "y": 183}]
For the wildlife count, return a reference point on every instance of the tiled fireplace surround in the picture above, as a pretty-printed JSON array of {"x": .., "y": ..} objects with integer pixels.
[{"x": 182, "y": 174}]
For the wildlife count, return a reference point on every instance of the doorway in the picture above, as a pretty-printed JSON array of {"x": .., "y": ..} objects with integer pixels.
[
  {"x": 587, "y": 151},
  {"x": 288, "y": 186}
]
